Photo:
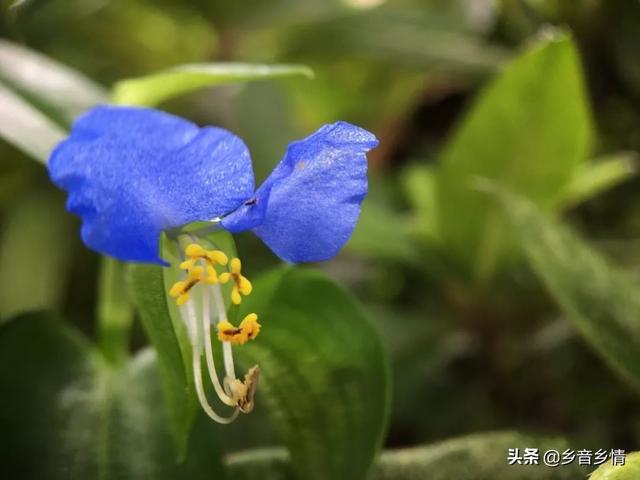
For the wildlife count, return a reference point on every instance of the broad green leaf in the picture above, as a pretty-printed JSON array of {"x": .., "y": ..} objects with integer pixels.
[
  {"x": 36, "y": 244},
  {"x": 629, "y": 471},
  {"x": 158, "y": 87},
  {"x": 55, "y": 89},
  {"x": 475, "y": 457},
  {"x": 27, "y": 128},
  {"x": 66, "y": 413},
  {"x": 528, "y": 131},
  {"x": 602, "y": 301},
  {"x": 169, "y": 339},
  {"x": 324, "y": 375},
  {"x": 596, "y": 177}
]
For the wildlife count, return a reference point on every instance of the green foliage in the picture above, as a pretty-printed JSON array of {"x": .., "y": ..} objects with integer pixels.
[
  {"x": 31, "y": 221},
  {"x": 475, "y": 457},
  {"x": 516, "y": 134},
  {"x": 39, "y": 98},
  {"x": 602, "y": 302},
  {"x": 629, "y": 471},
  {"x": 158, "y": 87},
  {"x": 598, "y": 176},
  {"x": 323, "y": 373},
  {"x": 169, "y": 339},
  {"x": 92, "y": 420}
]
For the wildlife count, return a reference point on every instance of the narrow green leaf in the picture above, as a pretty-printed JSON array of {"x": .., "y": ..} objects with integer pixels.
[
  {"x": 158, "y": 87},
  {"x": 629, "y": 471},
  {"x": 115, "y": 310},
  {"x": 35, "y": 246},
  {"x": 27, "y": 128},
  {"x": 420, "y": 185},
  {"x": 596, "y": 177},
  {"x": 80, "y": 418},
  {"x": 474, "y": 457},
  {"x": 528, "y": 131},
  {"x": 324, "y": 375},
  {"x": 174, "y": 361},
  {"x": 55, "y": 89},
  {"x": 602, "y": 302}
]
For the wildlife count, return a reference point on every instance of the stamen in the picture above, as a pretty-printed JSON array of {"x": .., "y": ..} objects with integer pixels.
[
  {"x": 242, "y": 285},
  {"x": 211, "y": 366},
  {"x": 222, "y": 317},
  {"x": 202, "y": 398},
  {"x": 200, "y": 268}
]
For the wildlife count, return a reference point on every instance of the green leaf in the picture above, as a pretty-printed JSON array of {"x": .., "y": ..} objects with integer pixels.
[
  {"x": 420, "y": 185},
  {"x": 474, "y": 457},
  {"x": 629, "y": 471},
  {"x": 36, "y": 245},
  {"x": 158, "y": 87},
  {"x": 115, "y": 310},
  {"x": 324, "y": 375},
  {"x": 169, "y": 339},
  {"x": 167, "y": 332},
  {"x": 602, "y": 301},
  {"x": 528, "y": 131},
  {"x": 382, "y": 234},
  {"x": 27, "y": 128},
  {"x": 80, "y": 418},
  {"x": 598, "y": 176},
  {"x": 55, "y": 89}
]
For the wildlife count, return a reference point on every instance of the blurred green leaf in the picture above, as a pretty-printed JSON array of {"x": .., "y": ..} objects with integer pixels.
[
  {"x": 25, "y": 127},
  {"x": 529, "y": 130},
  {"x": 174, "y": 358},
  {"x": 602, "y": 302},
  {"x": 598, "y": 176},
  {"x": 158, "y": 87},
  {"x": 382, "y": 234},
  {"x": 80, "y": 418},
  {"x": 475, "y": 457},
  {"x": 629, "y": 471},
  {"x": 59, "y": 91},
  {"x": 420, "y": 184},
  {"x": 36, "y": 245},
  {"x": 423, "y": 37},
  {"x": 324, "y": 375}
]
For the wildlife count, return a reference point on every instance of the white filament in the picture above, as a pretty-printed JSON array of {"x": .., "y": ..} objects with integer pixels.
[
  {"x": 222, "y": 317},
  {"x": 211, "y": 366}
]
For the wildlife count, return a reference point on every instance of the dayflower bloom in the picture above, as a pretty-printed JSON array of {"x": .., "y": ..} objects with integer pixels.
[{"x": 133, "y": 173}]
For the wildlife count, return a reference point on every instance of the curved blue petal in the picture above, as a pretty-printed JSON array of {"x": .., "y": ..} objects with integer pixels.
[
  {"x": 308, "y": 207},
  {"x": 133, "y": 172}
]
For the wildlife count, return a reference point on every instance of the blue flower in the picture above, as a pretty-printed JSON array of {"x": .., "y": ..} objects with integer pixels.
[{"x": 132, "y": 173}]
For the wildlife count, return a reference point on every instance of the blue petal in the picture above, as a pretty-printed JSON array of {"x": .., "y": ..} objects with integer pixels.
[
  {"x": 308, "y": 207},
  {"x": 132, "y": 173}
]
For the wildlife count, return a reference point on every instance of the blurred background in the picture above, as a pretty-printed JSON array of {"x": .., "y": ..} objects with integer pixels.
[{"x": 469, "y": 352}]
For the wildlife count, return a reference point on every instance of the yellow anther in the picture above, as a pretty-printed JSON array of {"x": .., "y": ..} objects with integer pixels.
[
  {"x": 250, "y": 326},
  {"x": 194, "y": 250},
  {"x": 187, "y": 264},
  {"x": 248, "y": 330},
  {"x": 242, "y": 285},
  {"x": 228, "y": 333},
  {"x": 181, "y": 288},
  {"x": 212, "y": 276}
]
